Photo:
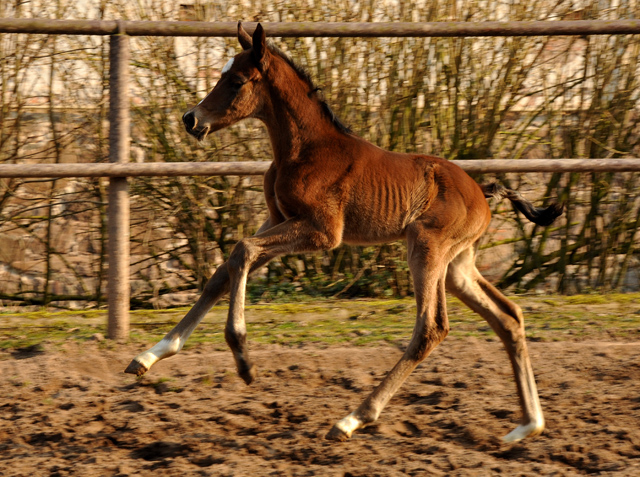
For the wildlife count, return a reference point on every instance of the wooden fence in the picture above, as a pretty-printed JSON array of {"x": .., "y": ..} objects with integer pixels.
[
  {"x": 312, "y": 29},
  {"x": 119, "y": 169},
  {"x": 172, "y": 169}
]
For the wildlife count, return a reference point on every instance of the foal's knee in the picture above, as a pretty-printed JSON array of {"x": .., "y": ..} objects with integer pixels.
[
  {"x": 423, "y": 344},
  {"x": 243, "y": 254}
]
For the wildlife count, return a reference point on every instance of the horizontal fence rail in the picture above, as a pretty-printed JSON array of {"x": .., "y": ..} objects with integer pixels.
[
  {"x": 166, "y": 169},
  {"x": 313, "y": 29}
]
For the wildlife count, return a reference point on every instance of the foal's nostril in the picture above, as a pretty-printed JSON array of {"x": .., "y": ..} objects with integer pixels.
[{"x": 189, "y": 120}]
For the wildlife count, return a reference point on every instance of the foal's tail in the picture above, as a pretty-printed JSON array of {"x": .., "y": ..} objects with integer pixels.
[{"x": 537, "y": 215}]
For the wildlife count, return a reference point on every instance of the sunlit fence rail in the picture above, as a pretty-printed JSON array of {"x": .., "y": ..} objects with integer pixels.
[
  {"x": 160, "y": 169},
  {"x": 313, "y": 29},
  {"x": 119, "y": 168}
]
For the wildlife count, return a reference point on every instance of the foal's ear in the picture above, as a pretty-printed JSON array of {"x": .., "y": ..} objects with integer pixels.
[
  {"x": 244, "y": 38},
  {"x": 260, "y": 47}
]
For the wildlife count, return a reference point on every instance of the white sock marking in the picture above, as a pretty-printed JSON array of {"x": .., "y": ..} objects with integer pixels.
[
  {"x": 520, "y": 432},
  {"x": 349, "y": 424},
  {"x": 161, "y": 350}
]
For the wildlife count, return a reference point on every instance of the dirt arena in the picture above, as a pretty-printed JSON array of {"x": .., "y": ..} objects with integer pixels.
[{"x": 67, "y": 409}]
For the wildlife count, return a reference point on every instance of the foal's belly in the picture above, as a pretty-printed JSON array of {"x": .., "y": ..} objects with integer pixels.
[{"x": 369, "y": 232}]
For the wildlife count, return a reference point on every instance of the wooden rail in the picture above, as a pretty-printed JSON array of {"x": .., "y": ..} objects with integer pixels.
[
  {"x": 166, "y": 169},
  {"x": 313, "y": 29}
]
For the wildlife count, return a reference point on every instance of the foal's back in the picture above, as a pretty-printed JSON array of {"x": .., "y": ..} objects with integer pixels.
[{"x": 378, "y": 193}]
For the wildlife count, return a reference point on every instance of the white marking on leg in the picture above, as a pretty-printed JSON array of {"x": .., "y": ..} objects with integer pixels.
[
  {"x": 349, "y": 424},
  {"x": 163, "y": 349},
  {"x": 228, "y": 66},
  {"x": 532, "y": 429}
]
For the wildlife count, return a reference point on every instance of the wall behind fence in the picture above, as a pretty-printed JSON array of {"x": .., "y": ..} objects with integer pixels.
[{"x": 462, "y": 98}]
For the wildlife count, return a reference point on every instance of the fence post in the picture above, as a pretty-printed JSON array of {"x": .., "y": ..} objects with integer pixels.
[{"x": 118, "y": 288}]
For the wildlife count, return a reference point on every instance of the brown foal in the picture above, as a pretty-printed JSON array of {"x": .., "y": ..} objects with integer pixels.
[{"x": 327, "y": 186}]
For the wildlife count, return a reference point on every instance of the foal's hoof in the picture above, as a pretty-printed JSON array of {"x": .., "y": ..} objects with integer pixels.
[
  {"x": 248, "y": 374},
  {"x": 137, "y": 368},
  {"x": 337, "y": 434}
]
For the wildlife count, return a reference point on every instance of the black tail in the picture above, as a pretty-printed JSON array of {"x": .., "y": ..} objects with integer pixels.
[{"x": 537, "y": 215}]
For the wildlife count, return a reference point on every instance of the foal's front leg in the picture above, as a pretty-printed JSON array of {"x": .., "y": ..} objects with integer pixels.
[
  {"x": 235, "y": 332},
  {"x": 291, "y": 236},
  {"x": 173, "y": 342}
]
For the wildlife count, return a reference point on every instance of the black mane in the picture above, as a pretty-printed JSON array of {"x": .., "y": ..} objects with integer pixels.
[{"x": 306, "y": 77}]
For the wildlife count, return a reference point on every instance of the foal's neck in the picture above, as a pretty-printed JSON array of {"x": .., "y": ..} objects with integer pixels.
[{"x": 295, "y": 121}]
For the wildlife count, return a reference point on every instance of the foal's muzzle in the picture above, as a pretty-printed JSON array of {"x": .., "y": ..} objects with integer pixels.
[
  {"x": 189, "y": 120},
  {"x": 191, "y": 125}
]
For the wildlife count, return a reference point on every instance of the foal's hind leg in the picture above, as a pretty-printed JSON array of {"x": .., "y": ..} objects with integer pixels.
[
  {"x": 428, "y": 269},
  {"x": 505, "y": 317}
]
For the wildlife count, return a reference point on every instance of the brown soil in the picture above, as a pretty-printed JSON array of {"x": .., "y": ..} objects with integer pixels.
[{"x": 69, "y": 410}]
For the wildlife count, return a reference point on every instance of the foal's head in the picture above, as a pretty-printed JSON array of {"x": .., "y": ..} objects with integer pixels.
[
  {"x": 239, "y": 93},
  {"x": 244, "y": 89}
]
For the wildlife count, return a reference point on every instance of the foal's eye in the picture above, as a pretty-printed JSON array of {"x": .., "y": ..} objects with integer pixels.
[{"x": 237, "y": 83}]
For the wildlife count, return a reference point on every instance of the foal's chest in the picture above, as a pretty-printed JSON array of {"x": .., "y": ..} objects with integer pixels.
[{"x": 304, "y": 191}]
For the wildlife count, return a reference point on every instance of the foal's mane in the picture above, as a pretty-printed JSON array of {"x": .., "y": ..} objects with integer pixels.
[{"x": 306, "y": 77}]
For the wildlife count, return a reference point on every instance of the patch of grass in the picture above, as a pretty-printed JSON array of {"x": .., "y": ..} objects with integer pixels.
[
  {"x": 291, "y": 308},
  {"x": 327, "y": 322},
  {"x": 604, "y": 299}
]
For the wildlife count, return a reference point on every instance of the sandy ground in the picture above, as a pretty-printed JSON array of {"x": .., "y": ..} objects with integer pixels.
[{"x": 67, "y": 409}]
